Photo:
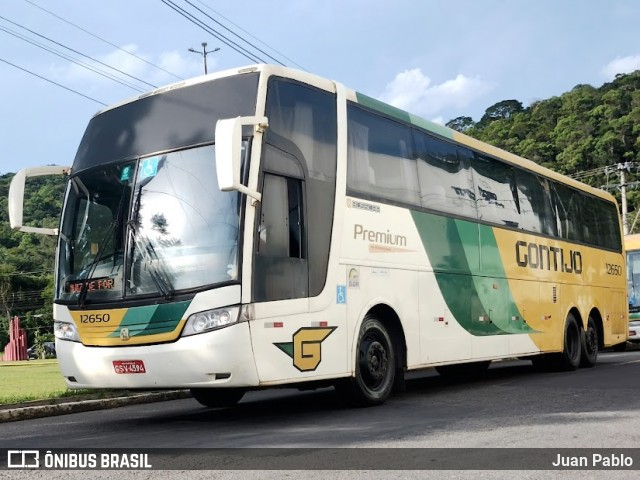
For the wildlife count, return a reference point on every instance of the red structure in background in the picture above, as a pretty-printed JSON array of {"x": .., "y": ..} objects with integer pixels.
[{"x": 17, "y": 347}]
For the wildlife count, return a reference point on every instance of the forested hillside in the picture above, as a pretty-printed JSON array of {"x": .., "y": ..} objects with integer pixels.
[
  {"x": 27, "y": 260},
  {"x": 588, "y": 132}
]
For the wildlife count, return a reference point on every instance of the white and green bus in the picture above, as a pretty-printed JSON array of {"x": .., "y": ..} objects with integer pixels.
[
  {"x": 263, "y": 227},
  {"x": 632, "y": 246}
]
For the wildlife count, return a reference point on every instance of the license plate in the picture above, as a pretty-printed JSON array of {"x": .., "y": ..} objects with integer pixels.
[{"x": 129, "y": 366}]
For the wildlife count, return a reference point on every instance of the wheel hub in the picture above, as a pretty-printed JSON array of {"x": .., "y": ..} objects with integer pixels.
[{"x": 374, "y": 363}]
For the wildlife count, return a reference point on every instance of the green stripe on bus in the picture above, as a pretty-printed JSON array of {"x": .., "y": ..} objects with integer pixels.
[
  {"x": 432, "y": 127},
  {"x": 482, "y": 305},
  {"x": 493, "y": 286},
  {"x": 382, "y": 107},
  {"x": 152, "y": 319},
  {"x": 404, "y": 116}
]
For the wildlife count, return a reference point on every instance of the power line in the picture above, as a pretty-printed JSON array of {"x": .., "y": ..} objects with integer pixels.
[
  {"x": 248, "y": 33},
  {"x": 71, "y": 59},
  {"x": 78, "y": 53},
  {"x": 233, "y": 33},
  {"x": 230, "y": 43},
  {"x": 51, "y": 81},
  {"x": 105, "y": 41}
]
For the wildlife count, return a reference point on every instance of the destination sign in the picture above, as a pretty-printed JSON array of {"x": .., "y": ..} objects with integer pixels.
[{"x": 104, "y": 283}]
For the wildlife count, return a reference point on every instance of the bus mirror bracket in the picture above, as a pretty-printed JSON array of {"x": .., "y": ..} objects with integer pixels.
[
  {"x": 16, "y": 197},
  {"x": 229, "y": 152}
]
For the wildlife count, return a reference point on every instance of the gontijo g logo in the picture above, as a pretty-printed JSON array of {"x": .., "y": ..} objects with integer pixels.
[{"x": 306, "y": 348}]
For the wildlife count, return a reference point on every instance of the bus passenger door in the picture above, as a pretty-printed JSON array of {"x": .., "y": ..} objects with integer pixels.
[
  {"x": 281, "y": 268},
  {"x": 292, "y": 238}
]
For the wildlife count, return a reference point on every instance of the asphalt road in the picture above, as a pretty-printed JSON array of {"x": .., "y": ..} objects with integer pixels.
[{"x": 514, "y": 407}]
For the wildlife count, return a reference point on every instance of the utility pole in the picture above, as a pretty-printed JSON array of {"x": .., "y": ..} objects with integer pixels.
[
  {"x": 204, "y": 54},
  {"x": 623, "y": 168}
]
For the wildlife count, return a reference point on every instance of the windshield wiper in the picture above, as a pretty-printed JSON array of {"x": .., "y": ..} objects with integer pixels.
[
  {"x": 94, "y": 263},
  {"x": 103, "y": 243},
  {"x": 154, "y": 262}
]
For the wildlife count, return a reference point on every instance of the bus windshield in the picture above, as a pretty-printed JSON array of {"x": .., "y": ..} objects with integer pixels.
[
  {"x": 153, "y": 226},
  {"x": 633, "y": 280}
]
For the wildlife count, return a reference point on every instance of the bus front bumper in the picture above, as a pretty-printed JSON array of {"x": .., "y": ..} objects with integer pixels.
[{"x": 221, "y": 358}]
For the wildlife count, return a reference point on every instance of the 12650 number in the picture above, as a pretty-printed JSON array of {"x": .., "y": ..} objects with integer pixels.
[
  {"x": 95, "y": 318},
  {"x": 613, "y": 269}
]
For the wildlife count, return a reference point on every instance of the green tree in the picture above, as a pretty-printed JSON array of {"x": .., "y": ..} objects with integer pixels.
[{"x": 461, "y": 124}]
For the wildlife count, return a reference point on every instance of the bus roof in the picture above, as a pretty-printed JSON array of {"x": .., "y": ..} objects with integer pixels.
[
  {"x": 475, "y": 144},
  {"x": 632, "y": 242},
  {"x": 440, "y": 130}
]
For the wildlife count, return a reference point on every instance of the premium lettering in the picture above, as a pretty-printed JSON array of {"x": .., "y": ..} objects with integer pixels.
[
  {"x": 386, "y": 238},
  {"x": 542, "y": 257}
]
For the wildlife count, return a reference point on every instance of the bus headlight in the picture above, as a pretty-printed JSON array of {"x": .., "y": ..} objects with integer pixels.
[
  {"x": 65, "y": 331},
  {"x": 210, "y": 320}
]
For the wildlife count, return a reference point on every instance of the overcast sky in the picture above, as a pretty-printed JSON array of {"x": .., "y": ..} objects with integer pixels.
[{"x": 439, "y": 59}]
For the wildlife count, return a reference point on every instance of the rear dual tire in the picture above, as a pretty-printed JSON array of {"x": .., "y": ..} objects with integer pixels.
[
  {"x": 590, "y": 343},
  {"x": 571, "y": 355}
]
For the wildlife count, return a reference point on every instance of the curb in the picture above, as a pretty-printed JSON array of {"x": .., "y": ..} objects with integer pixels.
[{"x": 27, "y": 413}]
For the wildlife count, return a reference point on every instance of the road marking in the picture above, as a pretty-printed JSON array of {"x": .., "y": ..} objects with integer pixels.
[{"x": 626, "y": 363}]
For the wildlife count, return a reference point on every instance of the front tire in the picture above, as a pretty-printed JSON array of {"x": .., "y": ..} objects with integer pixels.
[
  {"x": 218, "y": 397},
  {"x": 375, "y": 366}
]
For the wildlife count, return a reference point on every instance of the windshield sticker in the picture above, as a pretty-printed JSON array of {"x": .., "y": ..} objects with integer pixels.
[
  {"x": 362, "y": 206},
  {"x": 148, "y": 168},
  {"x": 354, "y": 278},
  {"x": 125, "y": 175}
]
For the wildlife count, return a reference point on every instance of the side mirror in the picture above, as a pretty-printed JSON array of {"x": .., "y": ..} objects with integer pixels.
[
  {"x": 16, "y": 197},
  {"x": 229, "y": 152}
]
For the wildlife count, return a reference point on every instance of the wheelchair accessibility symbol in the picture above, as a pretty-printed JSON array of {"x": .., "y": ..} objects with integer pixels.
[
  {"x": 149, "y": 167},
  {"x": 341, "y": 294}
]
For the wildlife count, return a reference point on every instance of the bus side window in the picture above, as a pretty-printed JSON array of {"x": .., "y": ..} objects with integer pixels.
[
  {"x": 280, "y": 228},
  {"x": 281, "y": 269}
]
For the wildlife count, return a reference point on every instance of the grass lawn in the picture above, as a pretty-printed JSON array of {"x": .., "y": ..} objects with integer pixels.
[{"x": 32, "y": 380}]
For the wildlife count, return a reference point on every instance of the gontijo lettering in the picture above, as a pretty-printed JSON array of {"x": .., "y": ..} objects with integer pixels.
[{"x": 532, "y": 255}]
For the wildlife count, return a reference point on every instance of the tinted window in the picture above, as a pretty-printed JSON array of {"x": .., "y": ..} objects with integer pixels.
[
  {"x": 601, "y": 223},
  {"x": 496, "y": 192},
  {"x": 444, "y": 176},
  {"x": 301, "y": 144},
  {"x": 536, "y": 214},
  {"x": 380, "y": 158},
  {"x": 586, "y": 219},
  {"x": 566, "y": 205},
  {"x": 306, "y": 117},
  {"x": 166, "y": 121},
  {"x": 281, "y": 271}
]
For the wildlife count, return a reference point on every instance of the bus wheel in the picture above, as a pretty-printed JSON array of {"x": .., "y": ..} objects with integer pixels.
[
  {"x": 375, "y": 366},
  {"x": 217, "y": 397},
  {"x": 589, "y": 345},
  {"x": 570, "y": 356}
]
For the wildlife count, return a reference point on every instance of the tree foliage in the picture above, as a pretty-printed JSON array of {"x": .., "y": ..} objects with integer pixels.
[
  {"x": 27, "y": 260},
  {"x": 583, "y": 130}
]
